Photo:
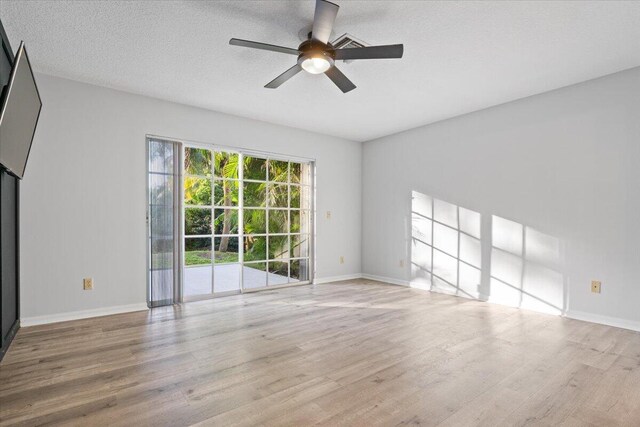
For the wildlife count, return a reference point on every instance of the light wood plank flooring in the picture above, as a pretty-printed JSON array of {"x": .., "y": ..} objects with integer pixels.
[{"x": 350, "y": 353}]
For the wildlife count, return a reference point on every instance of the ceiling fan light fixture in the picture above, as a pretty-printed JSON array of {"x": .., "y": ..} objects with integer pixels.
[{"x": 317, "y": 65}]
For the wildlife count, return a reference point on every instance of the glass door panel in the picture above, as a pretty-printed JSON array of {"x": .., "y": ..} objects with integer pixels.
[
  {"x": 247, "y": 221},
  {"x": 198, "y": 220}
]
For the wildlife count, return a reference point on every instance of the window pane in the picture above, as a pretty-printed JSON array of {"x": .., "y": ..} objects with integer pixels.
[
  {"x": 255, "y": 168},
  {"x": 160, "y": 189},
  {"x": 161, "y": 254},
  {"x": 299, "y": 246},
  {"x": 197, "y": 161},
  {"x": 254, "y": 275},
  {"x": 197, "y": 280},
  {"x": 197, "y": 221},
  {"x": 278, "y": 247},
  {"x": 161, "y": 156},
  {"x": 255, "y": 248},
  {"x": 278, "y": 221},
  {"x": 226, "y": 277},
  {"x": 197, "y": 250},
  {"x": 299, "y": 270},
  {"x": 255, "y": 221},
  {"x": 300, "y": 173},
  {"x": 278, "y": 195},
  {"x": 226, "y": 193},
  {"x": 278, "y": 170},
  {"x": 295, "y": 172},
  {"x": 226, "y": 249},
  {"x": 225, "y": 221},
  {"x": 295, "y": 196},
  {"x": 197, "y": 191},
  {"x": 254, "y": 194},
  {"x": 226, "y": 165},
  {"x": 295, "y": 221},
  {"x": 278, "y": 273}
]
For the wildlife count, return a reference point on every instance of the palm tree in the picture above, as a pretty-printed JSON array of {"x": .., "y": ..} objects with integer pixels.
[{"x": 227, "y": 165}]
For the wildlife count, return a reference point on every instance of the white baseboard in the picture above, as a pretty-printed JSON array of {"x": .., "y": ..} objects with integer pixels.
[
  {"x": 604, "y": 320},
  {"x": 320, "y": 280},
  {"x": 83, "y": 314},
  {"x": 388, "y": 280}
]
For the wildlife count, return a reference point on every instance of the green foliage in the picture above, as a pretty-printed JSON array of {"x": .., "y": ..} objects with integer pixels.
[
  {"x": 197, "y": 221},
  {"x": 255, "y": 168},
  {"x": 197, "y": 257},
  {"x": 278, "y": 170},
  {"x": 278, "y": 222},
  {"x": 255, "y": 221},
  {"x": 279, "y": 268},
  {"x": 204, "y": 257},
  {"x": 255, "y": 248},
  {"x": 225, "y": 221},
  {"x": 197, "y": 191},
  {"x": 255, "y": 194},
  {"x": 278, "y": 247},
  {"x": 225, "y": 167},
  {"x": 197, "y": 161},
  {"x": 226, "y": 193}
]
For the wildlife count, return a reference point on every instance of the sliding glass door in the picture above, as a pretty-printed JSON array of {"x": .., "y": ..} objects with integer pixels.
[{"x": 247, "y": 221}]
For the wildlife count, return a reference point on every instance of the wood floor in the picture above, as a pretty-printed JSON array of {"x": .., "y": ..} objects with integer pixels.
[{"x": 352, "y": 353}]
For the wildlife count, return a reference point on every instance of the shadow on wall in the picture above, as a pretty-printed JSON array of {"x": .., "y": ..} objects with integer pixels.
[{"x": 448, "y": 254}]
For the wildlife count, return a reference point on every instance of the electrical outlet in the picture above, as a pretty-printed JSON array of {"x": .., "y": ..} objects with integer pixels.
[
  {"x": 595, "y": 286},
  {"x": 401, "y": 263},
  {"x": 341, "y": 260},
  {"x": 87, "y": 283},
  {"x": 328, "y": 214}
]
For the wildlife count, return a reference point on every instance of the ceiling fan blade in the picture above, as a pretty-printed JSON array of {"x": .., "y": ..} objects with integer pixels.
[
  {"x": 340, "y": 79},
  {"x": 275, "y": 83},
  {"x": 371, "y": 52},
  {"x": 263, "y": 46},
  {"x": 323, "y": 20}
]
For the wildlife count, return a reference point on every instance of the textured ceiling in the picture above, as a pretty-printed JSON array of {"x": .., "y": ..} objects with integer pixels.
[{"x": 459, "y": 56}]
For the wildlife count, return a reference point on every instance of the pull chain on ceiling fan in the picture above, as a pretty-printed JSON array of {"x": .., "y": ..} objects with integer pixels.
[{"x": 316, "y": 55}]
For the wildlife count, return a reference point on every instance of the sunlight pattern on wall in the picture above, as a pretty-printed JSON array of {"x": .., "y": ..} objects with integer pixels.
[
  {"x": 524, "y": 268},
  {"x": 523, "y": 265},
  {"x": 445, "y": 247}
]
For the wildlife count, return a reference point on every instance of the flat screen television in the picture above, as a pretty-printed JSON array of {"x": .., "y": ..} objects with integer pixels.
[{"x": 19, "y": 115}]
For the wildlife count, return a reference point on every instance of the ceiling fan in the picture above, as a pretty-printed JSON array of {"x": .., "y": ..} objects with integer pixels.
[{"x": 316, "y": 55}]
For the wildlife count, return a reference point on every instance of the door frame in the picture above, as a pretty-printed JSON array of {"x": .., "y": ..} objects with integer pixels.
[{"x": 242, "y": 152}]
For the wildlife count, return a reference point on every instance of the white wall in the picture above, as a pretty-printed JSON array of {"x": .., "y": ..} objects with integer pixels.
[
  {"x": 565, "y": 164},
  {"x": 83, "y": 195}
]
